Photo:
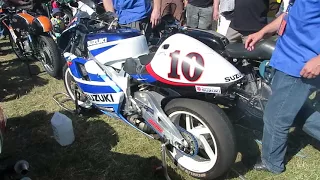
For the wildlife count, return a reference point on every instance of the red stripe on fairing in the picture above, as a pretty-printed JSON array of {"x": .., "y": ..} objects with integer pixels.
[
  {"x": 157, "y": 77},
  {"x": 155, "y": 125}
]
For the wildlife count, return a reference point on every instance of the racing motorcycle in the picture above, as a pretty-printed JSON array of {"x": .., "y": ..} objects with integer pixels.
[
  {"x": 30, "y": 38},
  {"x": 153, "y": 92},
  {"x": 251, "y": 92}
]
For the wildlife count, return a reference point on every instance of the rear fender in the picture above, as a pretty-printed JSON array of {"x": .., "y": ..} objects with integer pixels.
[{"x": 41, "y": 24}]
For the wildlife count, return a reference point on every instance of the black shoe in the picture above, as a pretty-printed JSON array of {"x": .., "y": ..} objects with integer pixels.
[{"x": 261, "y": 167}]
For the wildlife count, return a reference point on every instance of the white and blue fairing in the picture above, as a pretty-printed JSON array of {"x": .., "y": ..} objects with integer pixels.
[{"x": 110, "y": 49}]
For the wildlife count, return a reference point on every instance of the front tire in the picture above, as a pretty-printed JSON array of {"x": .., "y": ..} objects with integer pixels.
[
  {"x": 16, "y": 49},
  {"x": 70, "y": 85},
  {"x": 214, "y": 133},
  {"x": 49, "y": 55}
]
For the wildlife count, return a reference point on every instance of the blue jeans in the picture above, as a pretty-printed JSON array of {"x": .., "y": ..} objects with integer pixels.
[{"x": 288, "y": 96}]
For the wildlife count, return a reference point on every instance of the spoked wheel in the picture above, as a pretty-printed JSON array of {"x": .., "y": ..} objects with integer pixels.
[
  {"x": 70, "y": 85},
  {"x": 49, "y": 55},
  {"x": 213, "y": 133}
]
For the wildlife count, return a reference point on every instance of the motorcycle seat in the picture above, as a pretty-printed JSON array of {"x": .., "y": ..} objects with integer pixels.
[
  {"x": 146, "y": 59},
  {"x": 262, "y": 51},
  {"x": 132, "y": 66}
]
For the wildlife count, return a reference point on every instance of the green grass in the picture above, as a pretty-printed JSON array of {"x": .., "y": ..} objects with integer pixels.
[{"x": 105, "y": 149}]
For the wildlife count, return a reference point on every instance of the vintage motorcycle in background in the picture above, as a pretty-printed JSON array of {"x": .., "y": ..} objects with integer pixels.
[{"x": 29, "y": 35}]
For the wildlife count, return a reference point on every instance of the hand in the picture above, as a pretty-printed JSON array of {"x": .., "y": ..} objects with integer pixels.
[
  {"x": 311, "y": 69},
  {"x": 252, "y": 40},
  {"x": 216, "y": 15},
  {"x": 155, "y": 18},
  {"x": 185, "y": 2}
]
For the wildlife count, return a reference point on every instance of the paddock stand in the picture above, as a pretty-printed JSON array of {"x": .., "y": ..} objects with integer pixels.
[{"x": 163, "y": 168}]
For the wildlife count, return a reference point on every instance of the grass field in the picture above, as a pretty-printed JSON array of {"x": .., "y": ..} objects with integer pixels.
[{"x": 106, "y": 149}]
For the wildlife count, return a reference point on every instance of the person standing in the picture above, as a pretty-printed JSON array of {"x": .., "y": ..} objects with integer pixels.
[
  {"x": 222, "y": 13},
  {"x": 296, "y": 59},
  {"x": 199, "y": 14},
  {"x": 249, "y": 16},
  {"x": 135, "y": 13}
]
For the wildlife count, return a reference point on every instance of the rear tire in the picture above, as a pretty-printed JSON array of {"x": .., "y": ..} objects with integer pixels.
[
  {"x": 50, "y": 56},
  {"x": 215, "y": 128}
]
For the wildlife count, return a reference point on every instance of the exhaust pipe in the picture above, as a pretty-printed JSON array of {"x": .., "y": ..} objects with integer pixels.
[{"x": 21, "y": 167}]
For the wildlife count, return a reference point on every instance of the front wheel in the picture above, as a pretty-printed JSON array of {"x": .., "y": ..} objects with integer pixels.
[
  {"x": 16, "y": 48},
  {"x": 49, "y": 55},
  {"x": 212, "y": 130},
  {"x": 71, "y": 85}
]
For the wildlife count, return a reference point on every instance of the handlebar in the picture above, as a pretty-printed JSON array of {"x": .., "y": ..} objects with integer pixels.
[{"x": 99, "y": 22}]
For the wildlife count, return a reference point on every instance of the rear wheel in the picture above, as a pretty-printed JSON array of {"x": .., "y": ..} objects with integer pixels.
[
  {"x": 212, "y": 130},
  {"x": 49, "y": 55}
]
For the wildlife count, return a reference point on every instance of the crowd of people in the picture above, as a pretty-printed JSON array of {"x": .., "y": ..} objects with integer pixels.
[{"x": 296, "y": 57}]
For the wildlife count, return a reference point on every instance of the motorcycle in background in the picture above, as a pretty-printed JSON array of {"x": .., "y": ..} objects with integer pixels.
[{"x": 30, "y": 38}]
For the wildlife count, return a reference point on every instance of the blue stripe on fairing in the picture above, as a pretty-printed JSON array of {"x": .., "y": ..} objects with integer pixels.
[
  {"x": 96, "y": 52},
  {"x": 96, "y": 89},
  {"x": 145, "y": 77},
  {"x": 115, "y": 87}
]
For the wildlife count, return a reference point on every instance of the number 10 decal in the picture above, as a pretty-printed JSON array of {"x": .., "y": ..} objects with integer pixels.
[{"x": 185, "y": 66}]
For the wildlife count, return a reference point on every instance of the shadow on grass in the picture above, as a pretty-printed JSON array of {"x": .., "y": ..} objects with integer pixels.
[
  {"x": 89, "y": 157},
  {"x": 16, "y": 80},
  {"x": 8, "y": 49},
  {"x": 249, "y": 130}
]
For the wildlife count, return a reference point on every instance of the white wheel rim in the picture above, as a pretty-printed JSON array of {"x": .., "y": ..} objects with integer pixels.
[
  {"x": 197, "y": 163},
  {"x": 80, "y": 103}
]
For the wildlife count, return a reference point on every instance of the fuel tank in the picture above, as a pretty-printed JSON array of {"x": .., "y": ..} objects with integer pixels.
[
  {"x": 183, "y": 61},
  {"x": 114, "y": 47},
  {"x": 21, "y": 22}
]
